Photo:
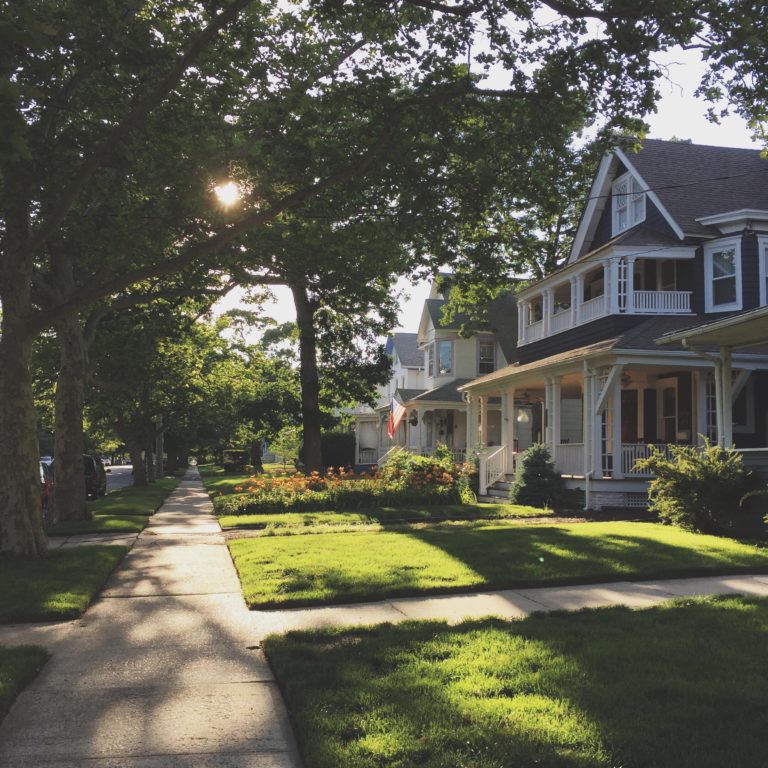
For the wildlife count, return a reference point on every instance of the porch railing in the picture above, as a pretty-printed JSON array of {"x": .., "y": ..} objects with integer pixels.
[
  {"x": 368, "y": 456},
  {"x": 459, "y": 454},
  {"x": 668, "y": 302},
  {"x": 592, "y": 309},
  {"x": 632, "y": 452},
  {"x": 535, "y": 331},
  {"x": 570, "y": 459},
  {"x": 493, "y": 466},
  {"x": 560, "y": 322},
  {"x": 384, "y": 457}
]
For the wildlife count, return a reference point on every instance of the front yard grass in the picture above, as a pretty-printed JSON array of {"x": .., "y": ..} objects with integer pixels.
[
  {"x": 682, "y": 685},
  {"x": 123, "y": 511},
  {"x": 297, "y": 521},
  {"x": 18, "y": 666},
  {"x": 351, "y": 567},
  {"x": 55, "y": 587}
]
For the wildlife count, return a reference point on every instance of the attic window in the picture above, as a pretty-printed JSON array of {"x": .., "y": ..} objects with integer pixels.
[{"x": 628, "y": 200}]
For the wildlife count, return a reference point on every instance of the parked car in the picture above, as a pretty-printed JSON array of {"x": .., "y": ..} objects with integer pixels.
[
  {"x": 106, "y": 461},
  {"x": 95, "y": 476},
  {"x": 46, "y": 459},
  {"x": 46, "y": 491}
]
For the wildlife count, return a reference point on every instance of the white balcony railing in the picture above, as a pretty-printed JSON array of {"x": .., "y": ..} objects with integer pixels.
[
  {"x": 632, "y": 452},
  {"x": 664, "y": 302},
  {"x": 459, "y": 454},
  {"x": 368, "y": 456},
  {"x": 535, "y": 331},
  {"x": 592, "y": 309},
  {"x": 570, "y": 459},
  {"x": 560, "y": 322}
]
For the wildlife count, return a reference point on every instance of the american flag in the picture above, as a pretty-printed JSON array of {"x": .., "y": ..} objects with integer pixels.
[{"x": 396, "y": 414}]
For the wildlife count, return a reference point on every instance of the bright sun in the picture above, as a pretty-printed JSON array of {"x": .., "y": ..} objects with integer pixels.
[{"x": 228, "y": 194}]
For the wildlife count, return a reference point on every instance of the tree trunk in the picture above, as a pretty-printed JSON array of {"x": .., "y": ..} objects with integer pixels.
[
  {"x": 258, "y": 467},
  {"x": 139, "y": 470},
  {"x": 310, "y": 380},
  {"x": 69, "y": 446},
  {"x": 150, "y": 463},
  {"x": 159, "y": 448},
  {"x": 21, "y": 516}
]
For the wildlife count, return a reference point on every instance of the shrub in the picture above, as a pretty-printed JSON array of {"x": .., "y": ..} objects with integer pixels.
[
  {"x": 699, "y": 488},
  {"x": 536, "y": 482},
  {"x": 406, "y": 480}
]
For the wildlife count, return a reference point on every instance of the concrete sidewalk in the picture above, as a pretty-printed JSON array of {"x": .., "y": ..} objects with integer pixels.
[
  {"x": 507, "y": 603},
  {"x": 162, "y": 671}
]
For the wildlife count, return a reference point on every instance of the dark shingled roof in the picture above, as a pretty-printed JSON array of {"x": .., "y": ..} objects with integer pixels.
[
  {"x": 435, "y": 309},
  {"x": 693, "y": 180},
  {"x": 406, "y": 395},
  {"x": 406, "y": 346},
  {"x": 447, "y": 393}
]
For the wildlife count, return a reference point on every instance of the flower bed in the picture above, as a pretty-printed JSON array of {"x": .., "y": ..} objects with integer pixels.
[{"x": 406, "y": 480}]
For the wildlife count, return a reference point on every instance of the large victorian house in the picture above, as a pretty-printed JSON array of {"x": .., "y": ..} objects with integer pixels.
[
  {"x": 673, "y": 235},
  {"x": 428, "y": 369}
]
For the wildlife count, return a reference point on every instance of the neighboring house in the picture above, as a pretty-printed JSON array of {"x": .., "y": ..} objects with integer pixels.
[
  {"x": 672, "y": 236},
  {"x": 428, "y": 367}
]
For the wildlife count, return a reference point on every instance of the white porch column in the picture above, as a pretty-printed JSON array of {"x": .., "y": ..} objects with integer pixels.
[
  {"x": 511, "y": 424},
  {"x": 726, "y": 373},
  {"x": 555, "y": 415},
  {"x": 611, "y": 283},
  {"x": 471, "y": 423},
  {"x": 618, "y": 470},
  {"x": 630, "y": 285},
  {"x": 522, "y": 322},
  {"x": 547, "y": 306},
  {"x": 596, "y": 428},
  {"x": 700, "y": 399},
  {"x": 587, "y": 430},
  {"x": 578, "y": 299},
  {"x": 421, "y": 434},
  {"x": 484, "y": 421}
]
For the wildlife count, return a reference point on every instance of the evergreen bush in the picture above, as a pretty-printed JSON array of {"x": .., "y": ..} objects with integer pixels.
[
  {"x": 537, "y": 484},
  {"x": 699, "y": 488}
]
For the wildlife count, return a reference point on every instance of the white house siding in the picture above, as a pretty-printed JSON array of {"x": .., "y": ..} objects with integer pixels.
[{"x": 570, "y": 420}]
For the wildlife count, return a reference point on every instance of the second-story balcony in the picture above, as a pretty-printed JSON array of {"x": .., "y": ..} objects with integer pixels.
[{"x": 611, "y": 287}]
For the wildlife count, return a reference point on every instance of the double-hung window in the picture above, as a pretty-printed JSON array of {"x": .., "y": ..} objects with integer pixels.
[
  {"x": 722, "y": 273},
  {"x": 486, "y": 357},
  {"x": 431, "y": 362},
  {"x": 762, "y": 245},
  {"x": 628, "y": 203},
  {"x": 444, "y": 357}
]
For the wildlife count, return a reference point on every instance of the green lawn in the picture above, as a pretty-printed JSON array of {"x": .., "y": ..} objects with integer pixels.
[
  {"x": 349, "y": 567},
  {"x": 18, "y": 666},
  {"x": 683, "y": 685},
  {"x": 123, "y": 511},
  {"x": 297, "y": 522},
  {"x": 57, "y": 586},
  {"x": 216, "y": 482}
]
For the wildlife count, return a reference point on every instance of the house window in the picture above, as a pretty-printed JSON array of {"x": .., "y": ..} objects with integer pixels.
[
  {"x": 444, "y": 358},
  {"x": 762, "y": 246},
  {"x": 486, "y": 357},
  {"x": 431, "y": 363},
  {"x": 628, "y": 203},
  {"x": 722, "y": 268}
]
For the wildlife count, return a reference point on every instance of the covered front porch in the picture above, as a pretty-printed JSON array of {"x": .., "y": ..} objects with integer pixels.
[{"x": 599, "y": 415}]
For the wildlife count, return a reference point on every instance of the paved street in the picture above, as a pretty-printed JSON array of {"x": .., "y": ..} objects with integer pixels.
[{"x": 120, "y": 477}]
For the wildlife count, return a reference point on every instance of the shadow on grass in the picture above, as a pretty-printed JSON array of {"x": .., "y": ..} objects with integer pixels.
[{"x": 682, "y": 685}]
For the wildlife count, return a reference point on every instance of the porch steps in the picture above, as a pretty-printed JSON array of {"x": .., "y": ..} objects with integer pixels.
[{"x": 499, "y": 491}]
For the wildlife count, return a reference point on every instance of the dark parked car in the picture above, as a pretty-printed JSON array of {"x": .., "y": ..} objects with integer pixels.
[
  {"x": 95, "y": 477},
  {"x": 46, "y": 491}
]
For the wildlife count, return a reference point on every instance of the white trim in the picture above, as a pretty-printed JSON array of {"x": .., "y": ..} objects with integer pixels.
[
  {"x": 597, "y": 198},
  {"x": 710, "y": 249},
  {"x": 652, "y": 196},
  {"x": 762, "y": 260},
  {"x": 735, "y": 221}
]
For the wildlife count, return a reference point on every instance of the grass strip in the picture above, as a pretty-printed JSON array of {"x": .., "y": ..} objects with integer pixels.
[
  {"x": 18, "y": 667},
  {"x": 350, "y": 567},
  {"x": 299, "y": 520},
  {"x": 681, "y": 685},
  {"x": 216, "y": 482},
  {"x": 123, "y": 511},
  {"x": 57, "y": 586}
]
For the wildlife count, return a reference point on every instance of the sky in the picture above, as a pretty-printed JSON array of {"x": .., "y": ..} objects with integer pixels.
[{"x": 679, "y": 115}]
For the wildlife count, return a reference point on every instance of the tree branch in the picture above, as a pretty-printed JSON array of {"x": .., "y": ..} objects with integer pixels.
[
  {"x": 134, "y": 118},
  {"x": 463, "y": 11}
]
